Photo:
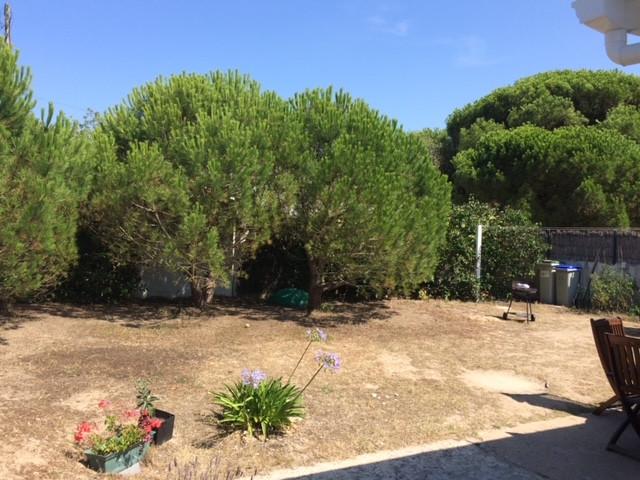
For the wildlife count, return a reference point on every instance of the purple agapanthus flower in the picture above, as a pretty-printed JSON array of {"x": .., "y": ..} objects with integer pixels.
[
  {"x": 328, "y": 361},
  {"x": 253, "y": 378},
  {"x": 317, "y": 335}
]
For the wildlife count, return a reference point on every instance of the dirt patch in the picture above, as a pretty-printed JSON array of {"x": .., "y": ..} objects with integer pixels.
[
  {"x": 400, "y": 365},
  {"x": 413, "y": 372},
  {"x": 502, "y": 382}
]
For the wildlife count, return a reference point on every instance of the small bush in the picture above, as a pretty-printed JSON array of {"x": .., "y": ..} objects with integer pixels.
[
  {"x": 511, "y": 247},
  {"x": 260, "y": 404},
  {"x": 612, "y": 291}
]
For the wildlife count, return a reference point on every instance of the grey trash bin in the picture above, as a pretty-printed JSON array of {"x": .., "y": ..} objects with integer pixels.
[
  {"x": 546, "y": 281},
  {"x": 567, "y": 281}
]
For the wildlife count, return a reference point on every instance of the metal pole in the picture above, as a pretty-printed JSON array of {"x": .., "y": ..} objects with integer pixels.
[
  {"x": 233, "y": 262},
  {"x": 478, "y": 259}
]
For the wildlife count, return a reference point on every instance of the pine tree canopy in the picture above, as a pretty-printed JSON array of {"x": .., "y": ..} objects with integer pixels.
[{"x": 41, "y": 186}]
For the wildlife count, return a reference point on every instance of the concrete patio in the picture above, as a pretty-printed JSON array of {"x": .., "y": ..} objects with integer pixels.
[{"x": 570, "y": 447}]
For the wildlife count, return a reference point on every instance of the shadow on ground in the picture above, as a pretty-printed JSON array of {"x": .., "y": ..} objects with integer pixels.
[
  {"x": 552, "y": 402},
  {"x": 153, "y": 313},
  {"x": 10, "y": 321},
  {"x": 575, "y": 452}
]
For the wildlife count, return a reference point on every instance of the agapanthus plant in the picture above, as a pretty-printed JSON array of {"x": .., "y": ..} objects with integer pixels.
[
  {"x": 253, "y": 377},
  {"x": 259, "y": 403},
  {"x": 326, "y": 361},
  {"x": 313, "y": 335}
]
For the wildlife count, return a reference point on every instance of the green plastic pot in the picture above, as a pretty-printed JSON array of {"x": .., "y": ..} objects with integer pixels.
[{"x": 117, "y": 462}]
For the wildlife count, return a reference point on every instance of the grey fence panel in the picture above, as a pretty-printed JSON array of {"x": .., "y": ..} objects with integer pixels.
[{"x": 610, "y": 246}]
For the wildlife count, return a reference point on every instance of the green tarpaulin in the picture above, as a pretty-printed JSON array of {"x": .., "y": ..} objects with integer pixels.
[{"x": 290, "y": 297}]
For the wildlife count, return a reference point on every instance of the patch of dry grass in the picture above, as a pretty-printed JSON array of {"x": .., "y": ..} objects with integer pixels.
[{"x": 413, "y": 372}]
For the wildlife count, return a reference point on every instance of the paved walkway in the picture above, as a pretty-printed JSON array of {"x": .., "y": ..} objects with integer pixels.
[{"x": 571, "y": 447}]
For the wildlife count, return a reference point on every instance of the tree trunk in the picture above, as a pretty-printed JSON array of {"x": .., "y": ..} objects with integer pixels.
[
  {"x": 315, "y": 289},
  {"x": 5, "y": 309},
  {"x": 315, "y": 298},
  {"x": 201, "y": 293}
]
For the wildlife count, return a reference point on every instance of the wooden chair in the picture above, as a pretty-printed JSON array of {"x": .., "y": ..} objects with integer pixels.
[
  {"x": 625, "y": 362},
  {"x": 600, "y": 328}
]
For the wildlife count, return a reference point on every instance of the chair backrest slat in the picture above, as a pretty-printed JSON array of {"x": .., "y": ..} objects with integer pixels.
[
  {"x": 625, "y": 363},
  {"x": 600, "y": 328}
]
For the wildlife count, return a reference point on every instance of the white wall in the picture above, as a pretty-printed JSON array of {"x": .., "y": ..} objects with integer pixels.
[
  {"x": 587, "y": 267},
  {"x": 160, "y": 283}
]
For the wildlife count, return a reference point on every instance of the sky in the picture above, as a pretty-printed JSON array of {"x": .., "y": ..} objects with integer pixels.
[{"x": 413, "y": 60}]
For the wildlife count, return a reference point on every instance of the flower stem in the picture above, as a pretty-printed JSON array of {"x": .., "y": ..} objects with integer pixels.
[
  {"x": 309, "y": 382},
  {"x": 300, "y": 360}
]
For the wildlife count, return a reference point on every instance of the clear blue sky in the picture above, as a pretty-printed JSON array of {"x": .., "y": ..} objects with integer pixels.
[{"x": 414, "y": 60}]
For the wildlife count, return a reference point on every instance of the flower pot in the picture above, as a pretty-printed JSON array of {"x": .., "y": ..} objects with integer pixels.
[
  {"x": 117, "y": 462},
  {"x": 165, "y": 432}
]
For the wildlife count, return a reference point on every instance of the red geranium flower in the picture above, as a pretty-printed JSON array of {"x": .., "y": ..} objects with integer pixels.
[
  {"x": 132, "y": 414},
  {"x": 156, "y": 423},
  {"x": 82, "y": 432}
]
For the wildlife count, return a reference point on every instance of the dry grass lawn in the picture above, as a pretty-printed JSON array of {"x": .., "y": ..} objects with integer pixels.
[{"x": 413, "y": 372}]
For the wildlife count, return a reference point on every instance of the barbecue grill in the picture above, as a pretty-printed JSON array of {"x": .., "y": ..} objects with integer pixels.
[{"x": 523, "y": 292}]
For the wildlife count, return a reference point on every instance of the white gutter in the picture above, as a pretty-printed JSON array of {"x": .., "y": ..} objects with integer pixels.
[{"x": 619, "y": 50}]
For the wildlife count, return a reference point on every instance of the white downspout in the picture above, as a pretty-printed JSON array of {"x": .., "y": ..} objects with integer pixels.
[{"x": 619, "y": 51}]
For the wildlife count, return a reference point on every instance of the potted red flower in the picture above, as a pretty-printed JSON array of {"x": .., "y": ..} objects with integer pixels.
[
  {"x": 160, "y": 421},
  {"x": 120, "y": 442}
]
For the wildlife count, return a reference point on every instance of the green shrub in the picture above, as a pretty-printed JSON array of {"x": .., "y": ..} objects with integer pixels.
[
  {"x": 612, "y": 291},
  {"x": 95, "y": 278},
  {"x": 511, "y": 247},
  {"x": 259, "y": 403}
]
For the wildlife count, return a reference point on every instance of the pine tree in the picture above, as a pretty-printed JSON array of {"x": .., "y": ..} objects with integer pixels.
[
  {"x": 40, "y": 188},
  {"x": 16, "y": 98},
  {"x": 187, "y": 176},
  {"x": 371, "y": 208}
]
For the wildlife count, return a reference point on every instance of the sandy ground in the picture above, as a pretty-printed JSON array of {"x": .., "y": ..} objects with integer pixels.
[{"x": 413, "y": 372}]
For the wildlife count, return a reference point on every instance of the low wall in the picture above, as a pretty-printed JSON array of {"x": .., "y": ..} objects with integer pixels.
[
  {"x": 588, "y": 267},
  {"x": 160, "y": 283},
  {"x": 589, "y": 247}
]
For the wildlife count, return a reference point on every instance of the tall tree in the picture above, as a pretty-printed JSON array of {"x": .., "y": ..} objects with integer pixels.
[
  {"x": 371, "y": 208},
  {"x": 573, "y": 176},
  {"x": 550, "y": 100},
  {"x": 187, "y": 175},
  {"x": 40, "y": 188}
]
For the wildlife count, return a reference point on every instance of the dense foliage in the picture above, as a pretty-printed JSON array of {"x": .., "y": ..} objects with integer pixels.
[
  {"x": 187, "y": 175},
  {"x": 41, "y": 185},
  {"x": 553, "y": 144},
  {"x": 612, "y": 290},
  {"x": 371, "y": 208},
  {"x": 199, "y": 173},
  {"x": 550, "y": 100},
  {"x": 574, "y": 176},
  {"x": 511, "y": 247},
  {"x": 195, "y": 173}
]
